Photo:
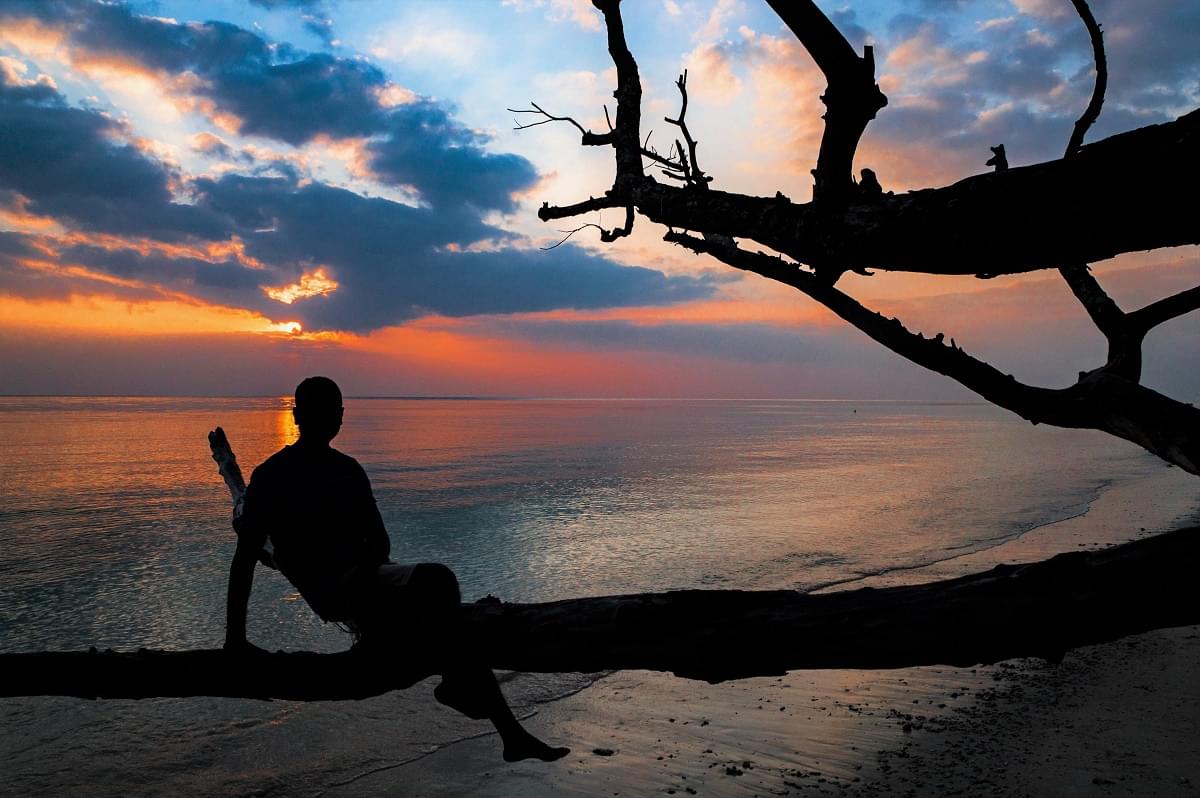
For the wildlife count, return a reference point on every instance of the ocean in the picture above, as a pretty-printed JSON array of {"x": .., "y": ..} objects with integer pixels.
[{"x": 114, "y": 533}]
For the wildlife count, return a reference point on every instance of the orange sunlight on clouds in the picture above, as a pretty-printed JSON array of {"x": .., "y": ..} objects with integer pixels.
[{"x": 99, "y": 315}]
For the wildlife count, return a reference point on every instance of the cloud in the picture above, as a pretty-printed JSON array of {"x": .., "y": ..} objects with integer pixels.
[
  {"x": 273, "y": 4},
  {"x": 393, "y": 262},
  {"x": 138, "y": 227},
  {"x": 274, "y": 91},
  {"x": 579, "y": 12},
  {"x": 745, "y": 343},
  {"x": 270, "y": 89},
  {"x": 380, "y": 262},
  {"x": 79, "y": 165},
  {"x": 958, "y": 83},
  {"x": 425, "y": 147}
]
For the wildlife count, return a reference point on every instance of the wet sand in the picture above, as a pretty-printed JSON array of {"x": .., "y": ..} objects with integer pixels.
[{"x": 1115, "y": 719}]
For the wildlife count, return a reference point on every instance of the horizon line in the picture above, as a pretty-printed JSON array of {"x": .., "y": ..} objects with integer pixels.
[{"x": 496, "y": 398}]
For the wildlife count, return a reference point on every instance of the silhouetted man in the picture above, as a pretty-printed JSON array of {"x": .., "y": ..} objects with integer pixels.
[{"x": 316, "y": 507}]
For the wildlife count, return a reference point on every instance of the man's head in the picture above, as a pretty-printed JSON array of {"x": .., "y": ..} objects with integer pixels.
[{"x": 318, "y": 410}]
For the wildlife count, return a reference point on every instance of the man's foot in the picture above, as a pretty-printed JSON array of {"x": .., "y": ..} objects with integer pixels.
[
  {"x": 526, "y": 746},
  {"x": 450, "y": 694}
]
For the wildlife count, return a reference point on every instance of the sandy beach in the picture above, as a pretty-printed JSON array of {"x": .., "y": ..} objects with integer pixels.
[{"x": 1114, "y": 719}]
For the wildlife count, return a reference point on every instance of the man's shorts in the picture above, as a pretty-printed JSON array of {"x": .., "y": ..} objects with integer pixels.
[{"x": 393, "y": 575}]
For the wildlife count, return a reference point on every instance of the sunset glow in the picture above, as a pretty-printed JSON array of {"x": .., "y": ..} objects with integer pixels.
[{"x": 345, "y": 177}]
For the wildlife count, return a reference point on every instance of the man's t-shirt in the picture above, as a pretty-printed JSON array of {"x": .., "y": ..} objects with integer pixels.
[{"x": 317, "y": 508}]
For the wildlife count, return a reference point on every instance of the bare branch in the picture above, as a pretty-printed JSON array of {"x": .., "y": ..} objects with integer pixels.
[
  {"x": 851, "y": 100},
  {"x": 1101, "y": 400},
  {"x": 589, "y": 139},
  {"x": 627, "y": 137},
  {"x": 664, "y": 161},
  {"x": 1165, "y": 309},
  {"x": 1104, "y": 312},
  {"x": 1105, "y": 201},
  {"x": 548, "y": 211},
  {"x": 1092, "y": 112},
  {"x": 1124, "y": 350},
  {"x": 691, "y": 172},
  {"x": 1124, "y": 340},
  {"x": 570, "y": 233},
  {"x": 607, "y": 236}
]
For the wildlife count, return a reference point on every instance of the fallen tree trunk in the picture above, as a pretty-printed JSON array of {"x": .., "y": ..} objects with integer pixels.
[{"x": 1041, "y": 609}]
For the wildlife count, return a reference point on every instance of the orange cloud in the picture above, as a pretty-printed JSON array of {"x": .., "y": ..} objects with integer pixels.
[
  {"x": 34, "y": 39},
  {"x": 18, "y": 219},
  {"x": 101, "y": 315},
  {"x": 315, "y": 283}
]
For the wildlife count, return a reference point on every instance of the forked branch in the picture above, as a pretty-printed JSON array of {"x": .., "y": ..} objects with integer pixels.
[{"x": 1124, "y": 343}]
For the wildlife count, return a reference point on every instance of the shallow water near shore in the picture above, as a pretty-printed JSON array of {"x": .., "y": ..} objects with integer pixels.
[{"x": 114, "y": 533}]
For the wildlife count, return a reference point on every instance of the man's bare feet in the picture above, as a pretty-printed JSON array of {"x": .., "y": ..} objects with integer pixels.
[{"x": 526, "y": 746}]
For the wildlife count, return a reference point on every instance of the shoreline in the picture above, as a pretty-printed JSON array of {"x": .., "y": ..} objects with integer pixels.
[{"x": 1120, "y": 718}]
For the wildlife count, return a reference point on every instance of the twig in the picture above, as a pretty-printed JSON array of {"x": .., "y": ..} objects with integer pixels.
[
  {"x": 607, "y": 236},
  {"x": 589, "y": 138},
  {"x": 692, "y": 173},
  {"x": 570, "y": 233}
]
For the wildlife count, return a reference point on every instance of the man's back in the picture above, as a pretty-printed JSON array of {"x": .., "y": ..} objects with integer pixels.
[{"x": 316, "y": 506}]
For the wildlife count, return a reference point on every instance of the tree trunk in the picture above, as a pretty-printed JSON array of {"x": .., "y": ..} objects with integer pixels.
[{"x": 1041, "y": 609}]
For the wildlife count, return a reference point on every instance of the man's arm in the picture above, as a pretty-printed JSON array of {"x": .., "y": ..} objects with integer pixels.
[
  {"x": 251, "y": 535},
  {"x": 241, "y": 579},
  {"x": 379, "y": 545}
]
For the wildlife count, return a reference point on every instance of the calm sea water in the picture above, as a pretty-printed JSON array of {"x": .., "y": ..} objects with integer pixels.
[{"x": 114, "y": 532}]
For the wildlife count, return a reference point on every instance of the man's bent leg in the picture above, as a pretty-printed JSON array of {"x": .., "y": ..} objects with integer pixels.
[{"x": 467, "y": 686}]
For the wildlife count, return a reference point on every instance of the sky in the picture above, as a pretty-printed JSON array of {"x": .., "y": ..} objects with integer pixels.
[{"x": 220, "y": 197}]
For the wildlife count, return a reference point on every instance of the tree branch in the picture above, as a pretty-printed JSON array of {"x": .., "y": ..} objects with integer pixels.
[
  {"x": 1092, "y": 112},
  {"x": 548, "y": 212},
  {"x": 1124, "y": 345},
  {"x": 1107, "y": 200},
  {"x": 1101, "y": 400},
  {"x": 852, "y": 98},
  {"x": 627, "y": 136},
  {"x": 1124, "y": 340},
  {"x": 1165, "y": 309},
  {"x": 1104, "y": 312},
  {"x": 1041, "y": 609}
]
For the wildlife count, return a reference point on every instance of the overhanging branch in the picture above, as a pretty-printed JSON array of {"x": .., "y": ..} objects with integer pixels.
[
  {"x": 1107, "y": 200},
  {"x": 1101, "y": 400}
]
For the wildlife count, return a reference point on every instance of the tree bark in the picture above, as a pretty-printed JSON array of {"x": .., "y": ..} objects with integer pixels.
[{"x": 1041, "y": 609}]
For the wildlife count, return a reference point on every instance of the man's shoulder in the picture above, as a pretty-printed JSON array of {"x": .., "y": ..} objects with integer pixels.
[
  {"x": 281, "y": 462},
  {"x": 345, "y": 462},
  {"x": 290, "y": 460}
]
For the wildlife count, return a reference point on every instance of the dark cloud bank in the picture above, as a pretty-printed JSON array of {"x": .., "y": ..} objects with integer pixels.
[{"x": 392, "y": 261}]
